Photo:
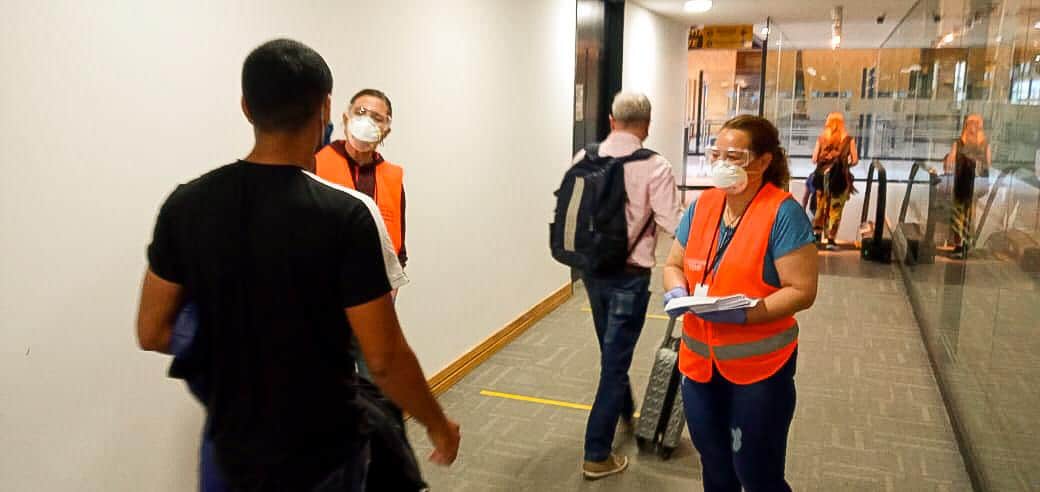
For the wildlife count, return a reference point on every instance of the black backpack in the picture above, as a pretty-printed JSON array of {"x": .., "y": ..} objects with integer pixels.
[
  {"x": 834, "y": 167},
  {"x": 589, "y": 230}
]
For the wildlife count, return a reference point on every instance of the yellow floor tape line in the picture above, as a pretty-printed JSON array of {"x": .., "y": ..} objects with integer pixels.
[
  {"x": 649, "y": 316},
  {"x": 532, "y": 399},
  {"x": 541, "y": 401}
]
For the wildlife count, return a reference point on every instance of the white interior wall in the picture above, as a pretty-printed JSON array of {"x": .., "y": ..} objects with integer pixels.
[
  {"x": 655, "y": 62},
  {"x": 108, "y": 105}
]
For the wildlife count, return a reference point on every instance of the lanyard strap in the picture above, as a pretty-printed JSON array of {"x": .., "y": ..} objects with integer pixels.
[{"x": 712, "y": 266}]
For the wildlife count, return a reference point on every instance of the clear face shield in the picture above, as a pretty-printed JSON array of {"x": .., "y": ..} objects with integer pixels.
[
  {"x": 366, "y": 128},
  {"x": 728, "y": 168},
  {"x": 378, "y": 118},
  {"x": 730, "y": 155}
]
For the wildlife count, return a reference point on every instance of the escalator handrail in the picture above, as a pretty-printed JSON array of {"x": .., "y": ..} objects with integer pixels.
[
  {"x": 933, "y": 181},
  {"x": 991, "y": 195},
  {"x": 879, "y": 214}
]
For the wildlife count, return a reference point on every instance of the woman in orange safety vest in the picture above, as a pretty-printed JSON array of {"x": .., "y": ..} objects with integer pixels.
[
  {"x": 355, "y": 164},
  {"x": 745, "y": 236}
]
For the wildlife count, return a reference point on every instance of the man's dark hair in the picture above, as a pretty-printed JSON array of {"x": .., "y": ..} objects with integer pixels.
[
  {"x": 375, "y": 93},
  {"x": 284, "y": 83}
]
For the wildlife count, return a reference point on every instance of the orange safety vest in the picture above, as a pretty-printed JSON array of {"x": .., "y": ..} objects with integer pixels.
[
  {"x": 744, "y": 354},
  {"x": 333, "y": 166}
]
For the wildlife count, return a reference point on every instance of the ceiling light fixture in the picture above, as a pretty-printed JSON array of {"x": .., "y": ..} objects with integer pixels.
[
  {"x": 1037, "y": 25},
  {"x": 947, "y": 39},
  {"x": 585, "y": 11},
  {"x": 697, "y": 6},
  {"x": 837, "y": 17}
]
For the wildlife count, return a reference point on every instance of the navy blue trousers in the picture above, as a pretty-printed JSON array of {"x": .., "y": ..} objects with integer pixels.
[
  {"x": 741, "y": 430},
  {"x": 619, "y": 305}
]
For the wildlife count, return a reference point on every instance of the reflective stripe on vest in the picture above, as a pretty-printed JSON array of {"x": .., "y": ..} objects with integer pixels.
[{"x": 742, "y": 350}]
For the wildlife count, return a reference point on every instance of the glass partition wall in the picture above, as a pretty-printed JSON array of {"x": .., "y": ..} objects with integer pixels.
[
  {"x": 980, "y": 315},
  {"x": 906, "y": 102}
]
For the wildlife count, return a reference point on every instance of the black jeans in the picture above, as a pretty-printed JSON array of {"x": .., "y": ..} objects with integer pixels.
[{"x": 342, "y": 468}]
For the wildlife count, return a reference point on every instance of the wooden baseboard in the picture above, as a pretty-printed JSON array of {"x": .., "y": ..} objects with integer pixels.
[{"x": 462, "y": 366}]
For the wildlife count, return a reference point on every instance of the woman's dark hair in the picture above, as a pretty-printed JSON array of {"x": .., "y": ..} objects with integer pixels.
[
  {"x": 376, "y": 93},
  {"x": 765, "y": 139}
]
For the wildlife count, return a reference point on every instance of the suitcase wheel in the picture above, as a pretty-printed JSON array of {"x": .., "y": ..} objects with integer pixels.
[
  {"x": 664, "y": 452},
  {"x": 644, "y": 445}
]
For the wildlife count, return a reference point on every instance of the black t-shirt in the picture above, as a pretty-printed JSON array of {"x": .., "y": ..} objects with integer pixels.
[{"x": 272, "y": 255}]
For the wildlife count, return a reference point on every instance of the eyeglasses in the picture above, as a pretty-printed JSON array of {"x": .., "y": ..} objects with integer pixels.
[
  {"x": 740, "y": 157},
  {"x": 379, "y": 118}
]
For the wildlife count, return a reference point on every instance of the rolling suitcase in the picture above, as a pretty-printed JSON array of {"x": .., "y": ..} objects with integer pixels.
[{"x": 661, "y": 418}]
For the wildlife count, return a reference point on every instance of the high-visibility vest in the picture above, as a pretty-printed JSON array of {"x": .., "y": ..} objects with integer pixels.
[
  {"x": 747, "y": 353},
  {"x": 333, "y": 166}
]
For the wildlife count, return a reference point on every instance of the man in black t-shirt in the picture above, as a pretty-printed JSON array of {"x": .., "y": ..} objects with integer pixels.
[{"x": 283, "y": 267}]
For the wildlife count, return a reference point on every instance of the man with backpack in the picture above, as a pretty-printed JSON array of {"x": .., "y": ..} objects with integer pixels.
[{"x": 607, "y": 206}]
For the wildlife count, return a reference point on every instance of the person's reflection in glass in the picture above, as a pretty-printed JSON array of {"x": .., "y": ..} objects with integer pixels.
[{"x": 969, "y": 160}]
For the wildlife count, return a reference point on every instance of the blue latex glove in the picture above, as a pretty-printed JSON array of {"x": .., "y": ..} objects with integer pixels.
[
  {"x": 675, "y": 293},
  {"x": 733, "y": 316}
]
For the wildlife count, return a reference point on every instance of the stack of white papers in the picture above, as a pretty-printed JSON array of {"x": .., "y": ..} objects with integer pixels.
[{"x": 706, "y": 304}]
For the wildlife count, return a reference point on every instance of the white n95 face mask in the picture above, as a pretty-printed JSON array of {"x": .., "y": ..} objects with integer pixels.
[
  {"x": 364, "y": 130},
  {"x": 728, "y": 176}
]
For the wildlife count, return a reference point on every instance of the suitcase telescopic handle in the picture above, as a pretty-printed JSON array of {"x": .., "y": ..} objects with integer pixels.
[{"x": 668, "y": 334}]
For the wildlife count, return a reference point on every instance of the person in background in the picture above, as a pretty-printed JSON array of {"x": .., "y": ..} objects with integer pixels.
[
  {"x": 969, "y": 161},
  {"x": 619, "y": 300},
  {"x": 834, "y": 155},
  {"x": 355, "y": 164},
  {"x": 746, "y": 236},
  {"x": 282, "y": 268}
]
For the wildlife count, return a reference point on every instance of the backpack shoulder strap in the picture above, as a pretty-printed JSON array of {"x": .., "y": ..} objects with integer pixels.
[
  {"x": 639, "y": 155},
  {"x": 592, "y": 151}
]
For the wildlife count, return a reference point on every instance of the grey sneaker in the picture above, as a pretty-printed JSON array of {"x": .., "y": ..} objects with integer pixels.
[{"x": 594, "y": 470}]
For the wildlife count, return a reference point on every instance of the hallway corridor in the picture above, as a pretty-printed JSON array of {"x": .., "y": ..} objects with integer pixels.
[{"x": 869, "y": 414}]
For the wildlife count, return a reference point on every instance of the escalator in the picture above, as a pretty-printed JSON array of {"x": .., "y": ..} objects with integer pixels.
[
  {"x": 874, "y": 246},
  {"x": 915, "y": 242},
  {"x": 1012, "y": 243}
]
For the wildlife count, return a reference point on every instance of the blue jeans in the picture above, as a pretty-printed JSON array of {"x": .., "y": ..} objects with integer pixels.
[
  {"x": 741, "y": 430},
  {"x": 211, "y": 479},
  {"x": 618, "y": 310}
]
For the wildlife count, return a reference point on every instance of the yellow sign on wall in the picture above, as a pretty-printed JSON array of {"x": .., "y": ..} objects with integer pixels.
[{"x": 722, "y": 37}]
